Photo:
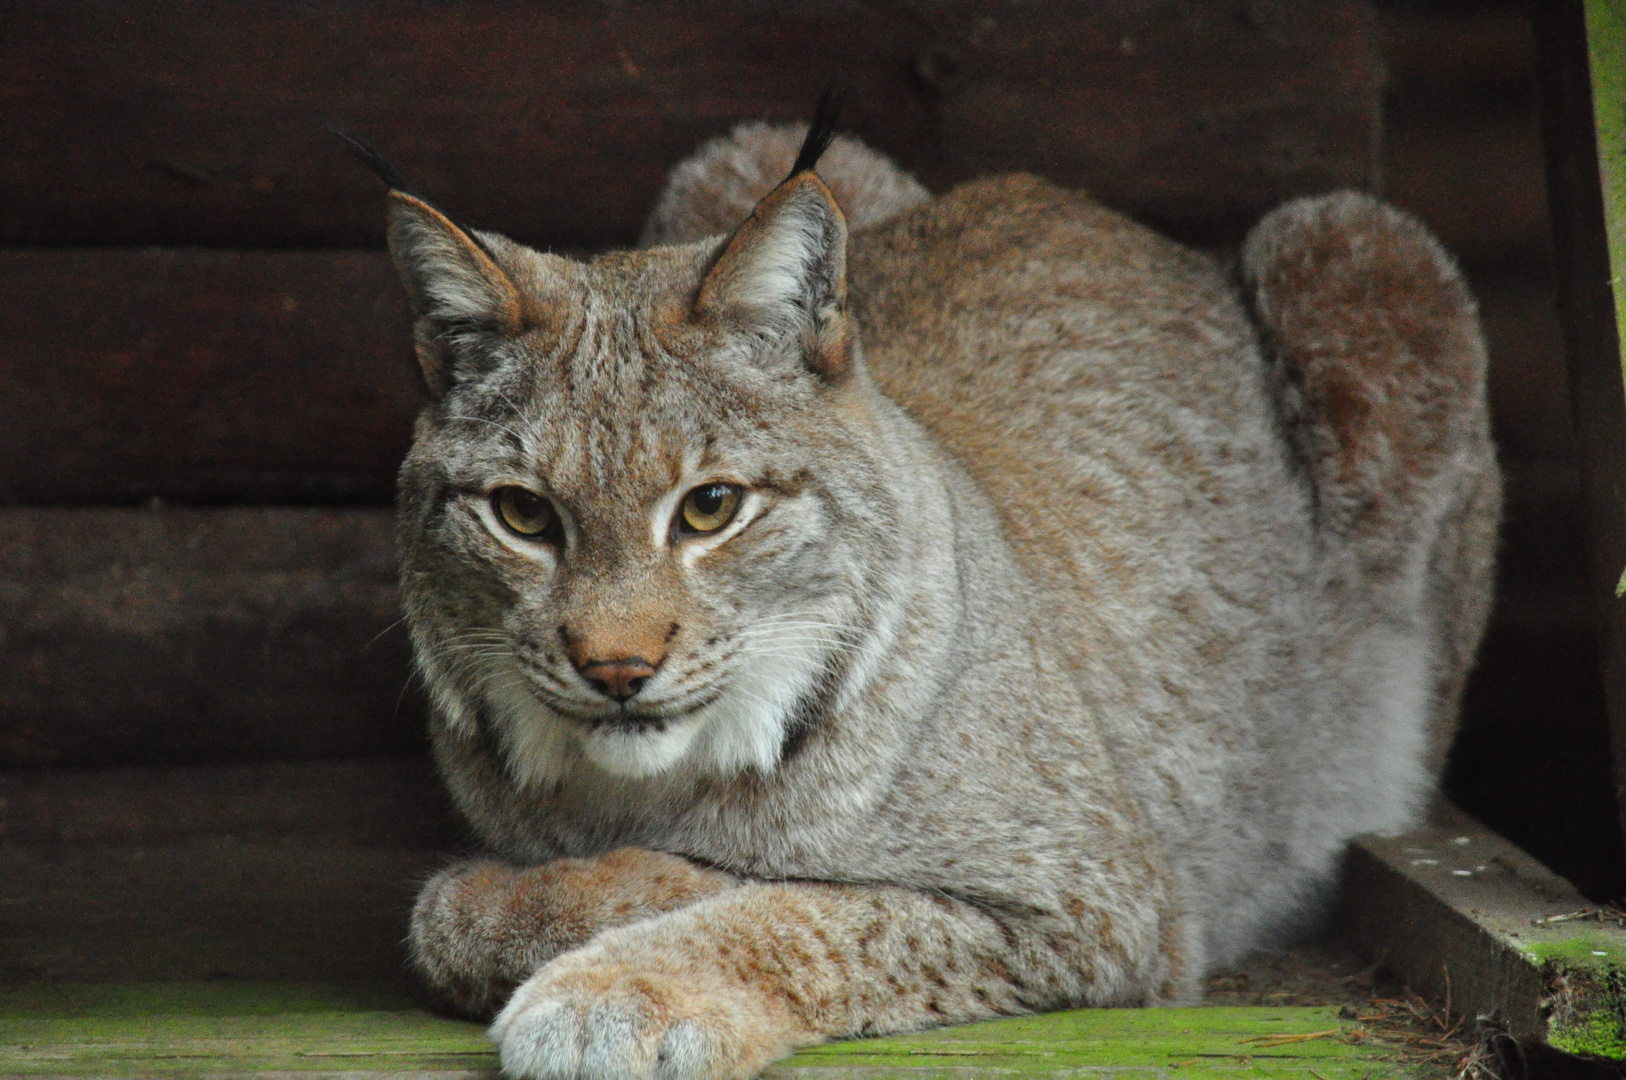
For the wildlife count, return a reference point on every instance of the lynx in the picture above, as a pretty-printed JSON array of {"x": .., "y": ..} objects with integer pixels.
[{"x": 858, "y": 611}]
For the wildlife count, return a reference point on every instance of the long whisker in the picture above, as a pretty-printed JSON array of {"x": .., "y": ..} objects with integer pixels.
[{"x": 374, "y": 639}]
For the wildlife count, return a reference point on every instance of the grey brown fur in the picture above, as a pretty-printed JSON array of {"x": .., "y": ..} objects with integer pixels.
[{"x": 1084, "y": 600}]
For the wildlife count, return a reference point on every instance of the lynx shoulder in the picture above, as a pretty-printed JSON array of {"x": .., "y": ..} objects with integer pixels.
[{"x": 860, "y": 611}]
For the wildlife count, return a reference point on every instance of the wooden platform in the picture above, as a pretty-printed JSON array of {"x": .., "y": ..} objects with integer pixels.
[{"x": 316, "y": 1030}]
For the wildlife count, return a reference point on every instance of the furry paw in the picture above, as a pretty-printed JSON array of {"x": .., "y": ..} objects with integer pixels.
[
  {"x": 616, "y": 1022},
  {"x": 468, "y": 952},
  {"x": 482, "y": 928}
]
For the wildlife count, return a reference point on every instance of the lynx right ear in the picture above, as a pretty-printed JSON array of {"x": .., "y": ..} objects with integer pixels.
[
  {"x": 452, "y": 282},
  {"x": 785, "y": 272}
]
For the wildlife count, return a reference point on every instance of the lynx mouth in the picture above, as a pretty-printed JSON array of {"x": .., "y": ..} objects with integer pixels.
[
  {"x": 627, "y": 722},
  {"x": 630, "y": 719}
]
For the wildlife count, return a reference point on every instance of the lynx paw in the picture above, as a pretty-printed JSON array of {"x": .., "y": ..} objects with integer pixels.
[
  {"x": 614, "y": 1022},
  {"x": 468, "y": 943}
]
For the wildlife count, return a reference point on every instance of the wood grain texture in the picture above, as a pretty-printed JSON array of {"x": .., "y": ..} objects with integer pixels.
[
  {"x": 203, "y": 376},
  {"x": 376, "y": 802},
  {"x": 131, "y": 636},
  {"x": 283, "y": 1030},
  {"x": 191, "y": 123}
]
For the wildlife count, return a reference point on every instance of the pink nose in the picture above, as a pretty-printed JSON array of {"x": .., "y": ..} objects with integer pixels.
[{"x": 619, "y": 679}]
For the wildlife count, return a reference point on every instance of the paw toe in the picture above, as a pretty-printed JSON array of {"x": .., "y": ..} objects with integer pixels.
[{"x": 540, "y": 1040}]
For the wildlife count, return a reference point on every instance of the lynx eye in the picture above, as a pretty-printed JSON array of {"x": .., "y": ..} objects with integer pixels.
[
  {"x": 526, "y": 513},
  {"x": 707, "y": 509}
]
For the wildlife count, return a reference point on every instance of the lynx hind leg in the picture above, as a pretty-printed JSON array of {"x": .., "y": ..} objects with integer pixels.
[
  {"x": 715, "y": 189},
  {"x": 1382, "y": 390}
]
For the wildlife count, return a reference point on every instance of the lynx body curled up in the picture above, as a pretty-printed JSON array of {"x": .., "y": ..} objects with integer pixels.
[{"x": 998, "y": 609}]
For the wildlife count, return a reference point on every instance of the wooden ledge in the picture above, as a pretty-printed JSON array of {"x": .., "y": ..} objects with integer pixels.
[
  {"x": 293, "y": 1029},
  {"x": 1466, "y": 916}
]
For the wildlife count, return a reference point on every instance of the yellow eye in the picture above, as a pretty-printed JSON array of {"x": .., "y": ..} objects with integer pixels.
[
  {"x": 707, "y": 509},
  {"x": 526, "y": 513}
]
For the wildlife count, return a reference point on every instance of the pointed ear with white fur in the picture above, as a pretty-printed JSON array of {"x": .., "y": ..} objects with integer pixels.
[
  {"x": 453, "y": 283},
  {"x": 784, "y": 274}
]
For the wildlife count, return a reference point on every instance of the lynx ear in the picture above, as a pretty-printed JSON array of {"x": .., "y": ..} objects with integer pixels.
[
  {"x": 784, "y": 272},
  {"x": 452, "y": 282}
]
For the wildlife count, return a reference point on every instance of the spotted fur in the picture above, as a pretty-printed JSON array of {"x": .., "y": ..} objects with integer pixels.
[{"x": 1085, "y": 597}]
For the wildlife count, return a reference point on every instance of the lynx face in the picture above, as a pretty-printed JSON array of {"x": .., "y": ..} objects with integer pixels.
[{"x": 641, "y": 525}]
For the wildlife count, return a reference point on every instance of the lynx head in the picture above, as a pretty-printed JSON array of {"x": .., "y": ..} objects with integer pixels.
[{"x": 644, "y": 523}]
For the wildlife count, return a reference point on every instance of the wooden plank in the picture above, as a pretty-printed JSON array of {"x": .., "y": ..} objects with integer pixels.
[
  {"x": 203, "y": 376},
  {"x": 249, "y": 872},
  {"x": 179, "y": 123},
  {"x": 1592, "y": 345},
  {"x": 376, "y": 803},
  {"x": 179, "y": 636},
  {"x": 187, "y": 1030},
  {"x": 1462, "y": 913},
  {"x": 1461, "y": 127},
  {"x": 213, "y": 908}
]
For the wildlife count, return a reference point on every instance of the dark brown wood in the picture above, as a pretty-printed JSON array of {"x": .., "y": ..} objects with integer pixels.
[
  {"x": 203, "y": 376},
  {"x": 376, "y": 802},
  {"x": 1587, "y": 311},
  {"x": 185, "y": 123},
  {"x": 138, "y": 636}
]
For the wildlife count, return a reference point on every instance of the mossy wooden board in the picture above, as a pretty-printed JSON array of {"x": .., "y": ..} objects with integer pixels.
[{"x": 266, "y": 1029}]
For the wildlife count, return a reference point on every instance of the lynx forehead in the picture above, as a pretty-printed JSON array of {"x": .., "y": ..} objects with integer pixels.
[{"x": 998, "y": 609}]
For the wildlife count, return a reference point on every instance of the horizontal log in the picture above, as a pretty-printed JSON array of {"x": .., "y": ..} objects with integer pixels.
[
  {"x": 373, "y": 803},
  {"x": 1474, "y": 174},
  {"x": 203, "y": 376},
  {"x": 183, "y": 123},
  {"x": 135, "y": 636}
]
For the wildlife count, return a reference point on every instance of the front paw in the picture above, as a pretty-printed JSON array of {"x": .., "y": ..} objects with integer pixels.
[
  {"x": 618, "y": 1022},
  {"x": 467, "y": 940}
]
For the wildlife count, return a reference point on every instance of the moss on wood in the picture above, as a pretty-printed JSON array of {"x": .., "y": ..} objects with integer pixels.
[{"x": 228, "y": 1028}]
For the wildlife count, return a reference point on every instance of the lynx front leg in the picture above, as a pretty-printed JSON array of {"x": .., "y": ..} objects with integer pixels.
[
  {"x": 720, "y": 989},
  {"x": 481, "y": 928}
]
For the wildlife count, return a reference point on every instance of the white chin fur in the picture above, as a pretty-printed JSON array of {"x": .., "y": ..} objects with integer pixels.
[
  {"x": 743, "y": 729},
  {"x": 637, "y": 754}
]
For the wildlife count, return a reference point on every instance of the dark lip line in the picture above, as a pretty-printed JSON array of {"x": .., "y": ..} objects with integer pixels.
[{"x": 630, "y": 720}]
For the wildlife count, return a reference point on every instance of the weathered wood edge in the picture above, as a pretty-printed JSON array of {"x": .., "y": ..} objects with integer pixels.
[{"x": 1466, "y": 916}]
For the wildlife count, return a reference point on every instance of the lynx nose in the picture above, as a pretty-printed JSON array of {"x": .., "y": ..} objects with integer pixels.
[
  {"x": 619, "y": 679},
  {"x": 619, "y": 658}
]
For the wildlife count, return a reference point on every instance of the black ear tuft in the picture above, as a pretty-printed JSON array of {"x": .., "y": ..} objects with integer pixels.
[
  {"x": 820, "y": 132},
  {"x": 383, "y": 168},
  {"x": 366, "y": 153}
]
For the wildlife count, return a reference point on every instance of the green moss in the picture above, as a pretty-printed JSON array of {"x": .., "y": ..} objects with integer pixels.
[
  {"x": 188, "y": 1029},
  {"x": 1598, "y": 1032},
  {"x": 1580, "y": 948},
  {"x": 1606, "y": 41},
  {"x": 1201, "y": 1042},
  {"x": 1587, "y": 1003}
]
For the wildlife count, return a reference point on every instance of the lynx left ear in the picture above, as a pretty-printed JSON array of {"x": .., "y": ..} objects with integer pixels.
[{"x": 784, "y": 272}]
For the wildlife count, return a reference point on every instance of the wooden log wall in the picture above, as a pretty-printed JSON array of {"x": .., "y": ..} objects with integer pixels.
[
  {"x": 205, "y": 380},
  {"x": 207, "y": 387}
]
